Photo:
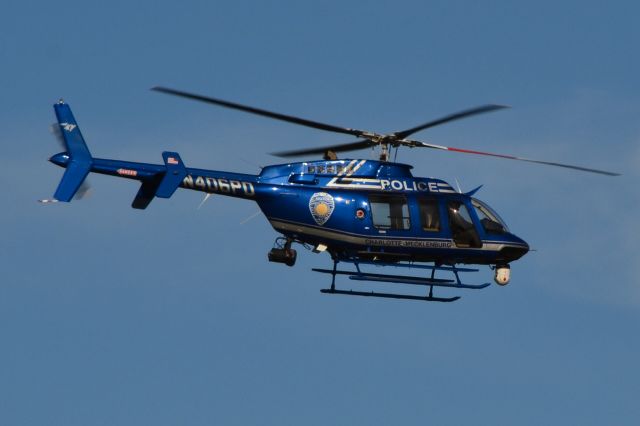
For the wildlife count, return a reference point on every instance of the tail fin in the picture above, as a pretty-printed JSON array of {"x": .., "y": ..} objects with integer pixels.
[{"x": 79, "y": 160}]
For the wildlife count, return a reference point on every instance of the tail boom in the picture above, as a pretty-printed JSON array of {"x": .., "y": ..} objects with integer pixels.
[{"x": 158, "y": 180}]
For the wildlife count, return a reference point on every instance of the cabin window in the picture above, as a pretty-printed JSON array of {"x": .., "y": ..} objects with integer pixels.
[
  {"x": 320, "y": 170},
  {"x": 429, "y": 214},
  {"x": 311, "y": 169},
  {"x": 462, "y": 229},
  {"x": 390, "y": 212},
  {"x": 340, "y": 168},
  {"x": 331, "y": 169}
]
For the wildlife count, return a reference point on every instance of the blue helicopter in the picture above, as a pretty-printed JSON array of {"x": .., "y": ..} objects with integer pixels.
[{"x": 361, "y": 212}]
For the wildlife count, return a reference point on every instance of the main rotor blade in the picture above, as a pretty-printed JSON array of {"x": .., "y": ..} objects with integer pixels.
[
  {"x": 451, "y": 117},
  {"x": 265, "y": 113},
  {"x": 509, "y": 157},
  {"x": 322, "y": 149}
]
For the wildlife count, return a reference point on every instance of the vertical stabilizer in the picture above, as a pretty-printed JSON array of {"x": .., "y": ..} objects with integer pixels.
[{"x": 77, "y": 160}]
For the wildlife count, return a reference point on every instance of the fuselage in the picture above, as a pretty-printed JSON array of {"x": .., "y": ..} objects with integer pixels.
[{"x": 355, "y": 209}]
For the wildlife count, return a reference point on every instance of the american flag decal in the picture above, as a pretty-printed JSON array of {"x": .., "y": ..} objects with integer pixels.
[{"x": 172, "y": 160}]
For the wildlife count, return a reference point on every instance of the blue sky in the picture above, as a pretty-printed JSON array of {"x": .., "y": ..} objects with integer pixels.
[{"x": 173, "y": 315}]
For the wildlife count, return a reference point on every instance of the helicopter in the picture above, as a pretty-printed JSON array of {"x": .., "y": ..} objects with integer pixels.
[{"x": 361, "y": 212}]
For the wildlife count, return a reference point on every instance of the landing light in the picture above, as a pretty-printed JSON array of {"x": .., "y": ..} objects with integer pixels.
[{"x": 320, "y": 248}]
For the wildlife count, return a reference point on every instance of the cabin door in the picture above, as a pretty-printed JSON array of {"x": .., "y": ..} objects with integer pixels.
[{"x": 463, "y": 231}]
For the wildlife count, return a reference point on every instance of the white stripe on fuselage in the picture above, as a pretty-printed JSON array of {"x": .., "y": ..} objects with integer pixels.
[
  {"x": 344, "y": 180},
  {"x": 354, "y": 183}
]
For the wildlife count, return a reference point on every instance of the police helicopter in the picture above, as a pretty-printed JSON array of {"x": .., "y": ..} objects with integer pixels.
[{"x": 361, "y": 212}]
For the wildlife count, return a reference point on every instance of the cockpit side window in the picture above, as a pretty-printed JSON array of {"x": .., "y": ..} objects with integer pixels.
[
  {"x": 429, "y": 214},
  {"x": 462, "y": 229},
  {"x": 489, "y": 219}
]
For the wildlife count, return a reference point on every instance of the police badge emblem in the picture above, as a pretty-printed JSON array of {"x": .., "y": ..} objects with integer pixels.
[{"x": 321, "y": 206}]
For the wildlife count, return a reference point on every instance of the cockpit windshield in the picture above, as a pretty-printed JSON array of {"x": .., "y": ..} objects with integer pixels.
[{"x": 490, "y": 220}]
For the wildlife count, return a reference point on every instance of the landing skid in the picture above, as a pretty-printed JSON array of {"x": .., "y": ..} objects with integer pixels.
[
  {"x": 430, "y": 282},
  {"x": 390, "y": 295}
]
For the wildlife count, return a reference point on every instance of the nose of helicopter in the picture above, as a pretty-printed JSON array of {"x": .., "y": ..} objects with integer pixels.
[{"x": 516, "y": 250}]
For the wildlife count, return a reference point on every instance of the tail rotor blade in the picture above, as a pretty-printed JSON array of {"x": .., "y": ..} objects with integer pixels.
[
  {"x": 54, "y": 128},
  {"x": 84, "y": 191}
]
